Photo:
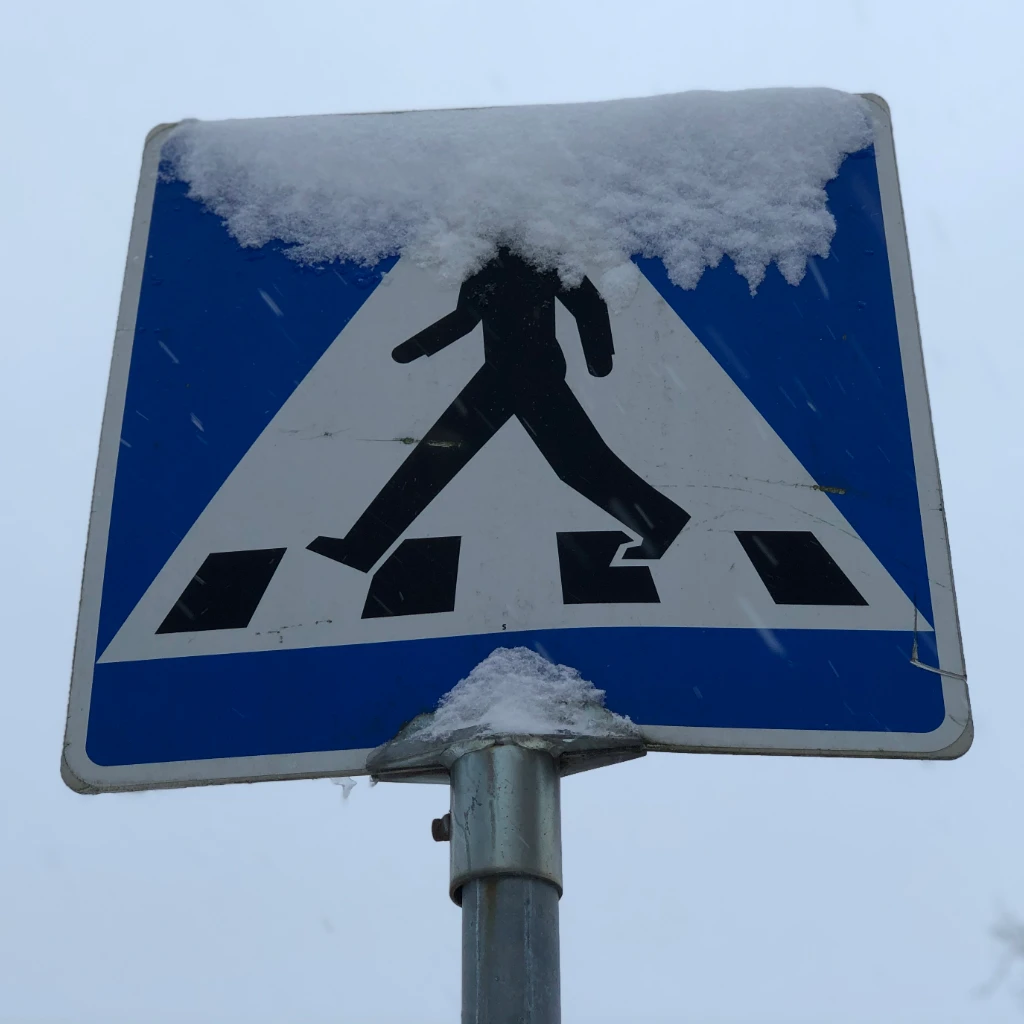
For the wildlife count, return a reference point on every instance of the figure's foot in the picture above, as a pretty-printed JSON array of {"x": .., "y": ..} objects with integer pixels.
[
  {"x": 653, "y": 546},
  {"x": 341, "y": 551}
]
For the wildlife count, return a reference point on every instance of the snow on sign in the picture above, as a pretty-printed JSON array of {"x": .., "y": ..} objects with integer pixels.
[{"x": 637, "y": 386}]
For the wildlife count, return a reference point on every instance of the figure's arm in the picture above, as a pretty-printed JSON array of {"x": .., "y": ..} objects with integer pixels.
[
  {"x": 441, "y": 334},
  {"x": 591, "y": 314}
]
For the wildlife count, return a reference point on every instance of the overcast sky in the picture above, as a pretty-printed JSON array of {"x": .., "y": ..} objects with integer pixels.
[{"x": 698, "y": 888}]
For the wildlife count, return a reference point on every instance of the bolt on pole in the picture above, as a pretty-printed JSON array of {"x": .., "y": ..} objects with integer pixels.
[{"x": 506, "y": 874}]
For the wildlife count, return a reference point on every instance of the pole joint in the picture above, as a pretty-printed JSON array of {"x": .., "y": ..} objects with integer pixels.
[{"x": 505, "y": 816}]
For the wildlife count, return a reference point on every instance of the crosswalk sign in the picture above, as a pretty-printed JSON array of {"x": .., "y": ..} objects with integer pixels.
[{"x": 325, "y": 493}]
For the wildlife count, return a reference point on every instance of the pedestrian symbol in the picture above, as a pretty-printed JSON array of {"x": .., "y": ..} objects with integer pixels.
[{"x": 523, "y": 376}]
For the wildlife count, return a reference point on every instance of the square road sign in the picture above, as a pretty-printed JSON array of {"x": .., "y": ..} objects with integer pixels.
[{"x": 325, "y": 493}]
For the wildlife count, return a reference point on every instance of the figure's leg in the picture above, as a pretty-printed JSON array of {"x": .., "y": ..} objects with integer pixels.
[
  {"x": 463, "y": 429},
  {"x": 561, "y": 429}
]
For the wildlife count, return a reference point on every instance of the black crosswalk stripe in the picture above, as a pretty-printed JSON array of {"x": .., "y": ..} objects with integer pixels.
[
  {"x": 418, "y": 579},
  {"x": 225, "y": 592},
  {"x": 796, "y": 568},
  {"x": 588, "y": 577}
]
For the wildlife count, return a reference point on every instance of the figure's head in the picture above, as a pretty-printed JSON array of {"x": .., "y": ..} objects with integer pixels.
[{"x": 512, "y": 263}]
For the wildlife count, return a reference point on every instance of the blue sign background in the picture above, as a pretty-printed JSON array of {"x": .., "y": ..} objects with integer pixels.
[{"x": 821, "y": 361}]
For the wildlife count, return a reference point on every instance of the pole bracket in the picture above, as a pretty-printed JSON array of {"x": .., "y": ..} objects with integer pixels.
[{"x": 505, "y": 817}]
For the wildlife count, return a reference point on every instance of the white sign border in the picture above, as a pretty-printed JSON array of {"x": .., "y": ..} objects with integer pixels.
[{"x": 951, "y": 739}]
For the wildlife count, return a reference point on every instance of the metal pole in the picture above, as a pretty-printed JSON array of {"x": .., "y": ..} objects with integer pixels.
[{"x": 506, "y": 874}]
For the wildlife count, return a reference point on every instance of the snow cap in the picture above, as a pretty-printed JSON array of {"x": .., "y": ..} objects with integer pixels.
[{"x": 582, "y": 188}]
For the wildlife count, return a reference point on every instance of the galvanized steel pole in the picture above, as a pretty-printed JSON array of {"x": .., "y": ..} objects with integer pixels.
[{"x": 506, "y": 874}]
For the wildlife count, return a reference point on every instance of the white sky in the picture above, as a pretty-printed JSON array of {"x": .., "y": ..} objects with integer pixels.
[{"x": 706, "y": 889}]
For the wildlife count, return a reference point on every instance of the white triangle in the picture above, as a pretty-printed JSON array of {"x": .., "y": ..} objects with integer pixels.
[{"x": 667, "y": 409}]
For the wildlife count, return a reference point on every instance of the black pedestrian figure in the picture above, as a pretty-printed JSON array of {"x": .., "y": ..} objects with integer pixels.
[{"x": 523, "y": 376}]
